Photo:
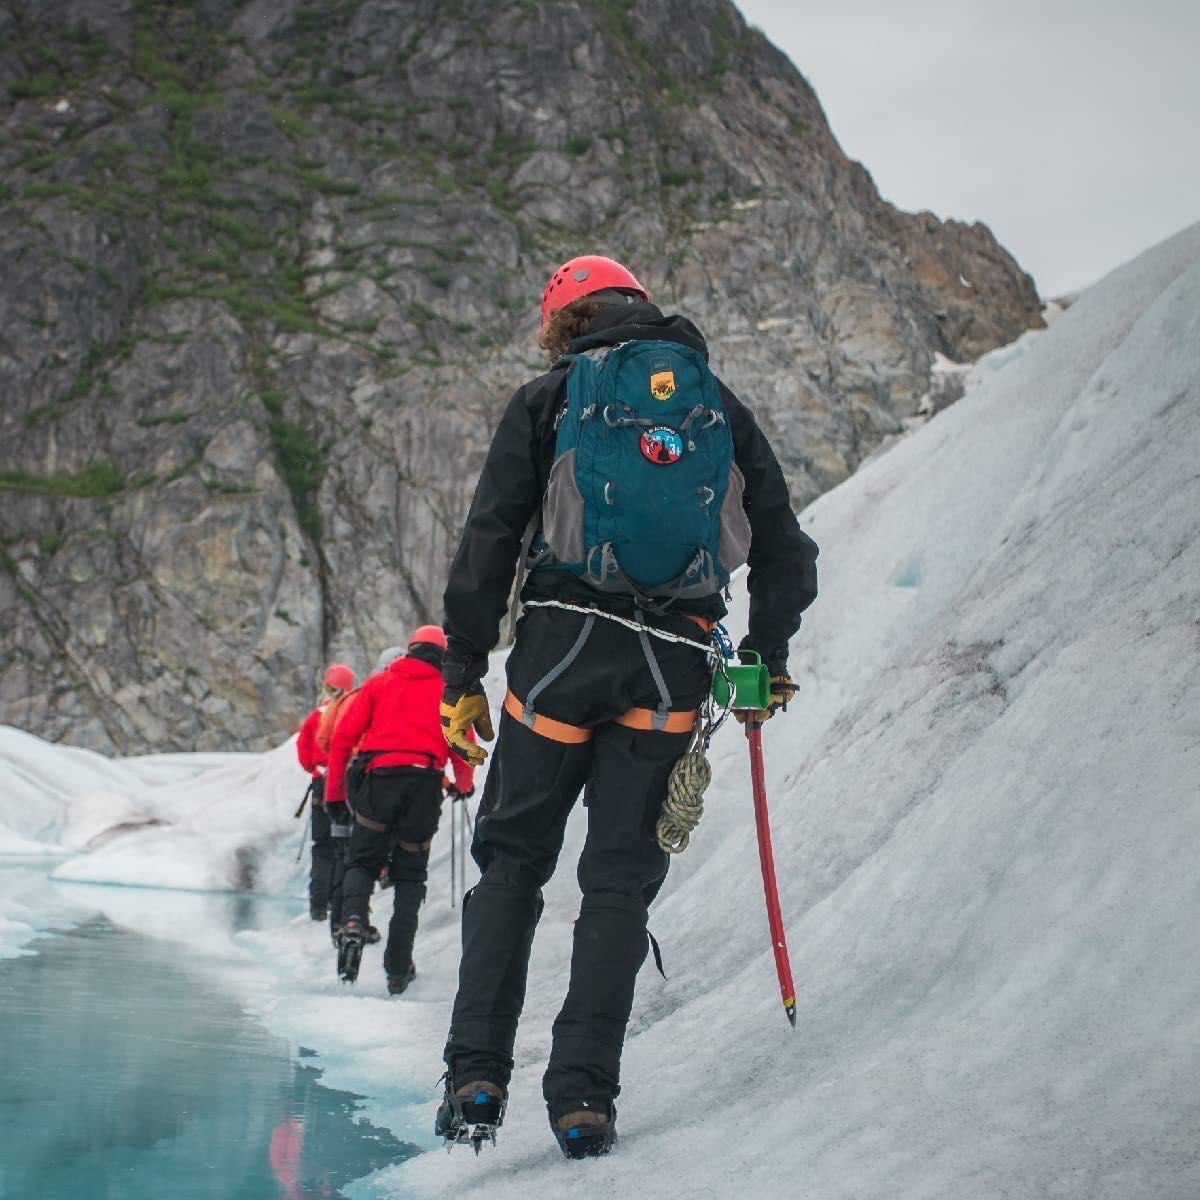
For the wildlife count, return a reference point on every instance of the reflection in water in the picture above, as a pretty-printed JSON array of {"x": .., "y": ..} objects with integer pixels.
[{"x": 125, "y": 1074}]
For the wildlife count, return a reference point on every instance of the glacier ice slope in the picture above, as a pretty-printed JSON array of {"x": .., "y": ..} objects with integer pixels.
[
  {"x": 985, "y": 811},
  {"x": 986, "y": 820}
]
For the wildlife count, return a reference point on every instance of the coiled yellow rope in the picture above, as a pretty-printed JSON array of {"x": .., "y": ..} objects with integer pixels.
[{"x": 684, "y": 805}]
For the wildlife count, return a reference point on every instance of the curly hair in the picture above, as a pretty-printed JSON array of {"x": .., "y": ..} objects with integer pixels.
[{"x": 569, "y": 322}]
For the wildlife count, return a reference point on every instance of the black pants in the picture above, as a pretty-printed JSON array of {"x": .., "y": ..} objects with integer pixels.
[
  {"x": 531, "y": 787},
  {"x": 337, "y": 875},
  {"x": 321, "y": 875},
  {"x": 339, "y": 841},
  {"x": 393, "y": 805}
]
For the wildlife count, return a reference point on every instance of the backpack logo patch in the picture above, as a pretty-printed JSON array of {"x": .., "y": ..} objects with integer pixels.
[
  {"x": 662, "y": 385},
  {"x": 661, "y": 445}
]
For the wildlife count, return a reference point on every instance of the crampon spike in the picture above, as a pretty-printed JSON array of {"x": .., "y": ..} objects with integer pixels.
[
  {"x": 470, "y": 1119},
  {"x": 349, "y": 956}
]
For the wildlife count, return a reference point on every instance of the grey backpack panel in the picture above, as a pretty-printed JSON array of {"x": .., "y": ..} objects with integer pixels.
[{"x": 735, "y": 525}]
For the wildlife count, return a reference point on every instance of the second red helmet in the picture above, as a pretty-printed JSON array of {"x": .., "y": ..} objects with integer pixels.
[
  {"x": 338, "y": 675},
  {"x": 432, "y": 635},
  {"x": 584, "y": 275}
]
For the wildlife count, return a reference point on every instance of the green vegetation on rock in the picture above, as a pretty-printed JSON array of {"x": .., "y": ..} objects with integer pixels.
[
  {"x": 34, "y": 87},
  {"x": 96, "y": 480},
  {"x": 300, "y": 463},
  {"x": 293, "y": 124},
  {"x": 171, "y": 418}
]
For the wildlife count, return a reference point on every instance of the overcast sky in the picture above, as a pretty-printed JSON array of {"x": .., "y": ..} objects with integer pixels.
[{"x": 1070, "y": 127}]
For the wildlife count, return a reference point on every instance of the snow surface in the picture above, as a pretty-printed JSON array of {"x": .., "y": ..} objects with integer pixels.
[{"x": 985, "y": 805}]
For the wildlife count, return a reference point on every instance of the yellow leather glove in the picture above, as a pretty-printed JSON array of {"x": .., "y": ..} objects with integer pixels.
[
  {"x": 782, "y": 690},
  {"x": 462, "y": 710}
]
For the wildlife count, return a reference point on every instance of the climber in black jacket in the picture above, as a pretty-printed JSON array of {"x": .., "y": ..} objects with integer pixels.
[{"x": 612, "y": 714}]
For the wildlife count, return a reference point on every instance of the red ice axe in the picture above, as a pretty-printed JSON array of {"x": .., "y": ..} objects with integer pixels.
[
  {"x": 766, "y": 858},
  {"x": 750, "y": 685}
]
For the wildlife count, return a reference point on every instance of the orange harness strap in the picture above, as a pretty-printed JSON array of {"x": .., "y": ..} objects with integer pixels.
[
  {"x": 547, "y": 727},
  {"x": 575, "y": 735},
  {"x": 643, "y": 718}
]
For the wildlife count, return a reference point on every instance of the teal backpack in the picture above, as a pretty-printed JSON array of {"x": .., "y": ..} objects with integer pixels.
[{"x": 644, "y": 497}]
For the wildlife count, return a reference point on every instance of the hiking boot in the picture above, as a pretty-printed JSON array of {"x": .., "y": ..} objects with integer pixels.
[
  {"x": 350, "y": 941},
  {"x": 471, "y": 1114},
  {"x": 398, "y": 984},
  {"x": 589, "y": 1130}
]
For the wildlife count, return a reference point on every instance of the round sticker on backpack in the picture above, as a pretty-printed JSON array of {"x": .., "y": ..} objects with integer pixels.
[{"x": 662, "y": 445}]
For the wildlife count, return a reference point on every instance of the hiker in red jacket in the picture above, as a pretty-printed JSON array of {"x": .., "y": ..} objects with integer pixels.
[
  {"x": 337, "y": 681},
  {"x": 394, "y": 731},
  {"x": 341, "y": 818}
]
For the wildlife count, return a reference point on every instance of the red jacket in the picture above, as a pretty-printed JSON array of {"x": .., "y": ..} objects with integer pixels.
[
  {"x": 395, "y": 718},
  {"x": 312, "y": 757}
]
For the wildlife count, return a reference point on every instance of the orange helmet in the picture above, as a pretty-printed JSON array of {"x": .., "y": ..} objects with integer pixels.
[
  {"x": 339, "y": 676},
  {"x": 584, "y": 275},
  {"x": 432, "y": 635}
]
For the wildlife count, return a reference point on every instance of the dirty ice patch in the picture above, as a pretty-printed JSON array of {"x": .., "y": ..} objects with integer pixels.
[
  {"x": 62, "y": 795},
  {"x": 230, "y": 826}
]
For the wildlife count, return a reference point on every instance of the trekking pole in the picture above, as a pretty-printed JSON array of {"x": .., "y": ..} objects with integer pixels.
[
  {"x": 304, "y": 835},
  {"x": 783, "y": 968},
  {"x": 299, "y": 812},
  {"x": 453, "y": 855},
  {"x": 462, "y": 829},
  {"x": 462, "y": 839}
]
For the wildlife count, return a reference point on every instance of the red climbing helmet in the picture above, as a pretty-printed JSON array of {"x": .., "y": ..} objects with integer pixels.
[
  {"x": 339, "y": 676},
  {"x": 581, "y": 277},
  {"x": 429, "y": 635}
]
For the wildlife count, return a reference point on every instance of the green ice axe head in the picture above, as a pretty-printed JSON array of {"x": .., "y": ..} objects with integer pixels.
[{"x": 751, "y": 683}]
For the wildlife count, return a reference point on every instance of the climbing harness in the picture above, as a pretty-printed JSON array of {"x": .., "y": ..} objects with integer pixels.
[
  {"x": 692, "y": 773},
  {"x": 660, "y": 718},
  {"x": 638, "y": 627}
]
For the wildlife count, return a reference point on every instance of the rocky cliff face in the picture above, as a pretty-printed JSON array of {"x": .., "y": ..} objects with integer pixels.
[{"x": 269, "y": 272}]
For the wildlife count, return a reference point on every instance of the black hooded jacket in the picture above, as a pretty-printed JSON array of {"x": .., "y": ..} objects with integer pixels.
[{"x": 783, "y": 575}]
